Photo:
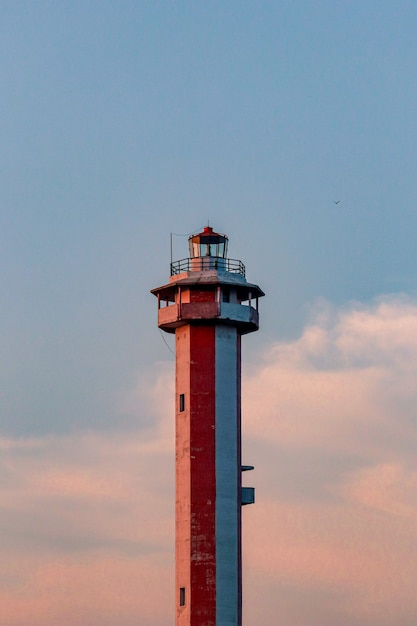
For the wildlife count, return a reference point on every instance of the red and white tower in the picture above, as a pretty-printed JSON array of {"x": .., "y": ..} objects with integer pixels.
[{"x": 208, "y": 304}]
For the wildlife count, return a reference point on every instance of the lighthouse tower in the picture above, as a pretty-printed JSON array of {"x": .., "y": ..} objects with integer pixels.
[{"x": 209, "y": 305}]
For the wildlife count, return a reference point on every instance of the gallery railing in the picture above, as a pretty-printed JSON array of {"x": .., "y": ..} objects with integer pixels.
[{"x": 202, "y": 263}]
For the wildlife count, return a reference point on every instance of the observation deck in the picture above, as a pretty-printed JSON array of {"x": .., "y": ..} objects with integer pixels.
[{"x": 208, "y": 288}]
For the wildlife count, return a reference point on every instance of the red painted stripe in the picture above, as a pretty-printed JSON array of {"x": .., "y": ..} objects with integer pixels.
[{"x": 203, "y": 476}]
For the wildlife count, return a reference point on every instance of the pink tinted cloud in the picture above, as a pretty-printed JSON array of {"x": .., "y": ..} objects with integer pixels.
[
  {"x": 329, "y": 422},
  {"x": 331, "y": 428},
  {"x": 87, "y": 525},
  {"x": 105, "y": 589}
]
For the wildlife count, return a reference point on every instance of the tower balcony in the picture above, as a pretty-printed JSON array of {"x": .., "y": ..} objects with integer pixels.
[{"x": 244, "y": 317}]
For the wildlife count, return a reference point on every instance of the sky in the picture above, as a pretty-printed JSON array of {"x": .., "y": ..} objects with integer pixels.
[{"x": 120, "y": 124}]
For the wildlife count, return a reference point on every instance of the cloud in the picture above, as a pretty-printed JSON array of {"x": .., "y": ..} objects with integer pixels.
[
  {"x": 330, "y": 425},
  {"x": 87, "y": 519},
  {"x": 87, "y": 522}
]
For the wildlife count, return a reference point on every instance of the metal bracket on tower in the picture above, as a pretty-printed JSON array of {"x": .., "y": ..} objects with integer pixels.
[{"x": 248, "y": 493}]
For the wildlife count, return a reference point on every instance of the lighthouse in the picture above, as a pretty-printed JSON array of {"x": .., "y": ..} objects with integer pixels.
[{"x": 209, "y": 305}]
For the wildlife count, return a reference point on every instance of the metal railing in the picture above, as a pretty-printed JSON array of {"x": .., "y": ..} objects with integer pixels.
[{"x": 202, "y": 263}]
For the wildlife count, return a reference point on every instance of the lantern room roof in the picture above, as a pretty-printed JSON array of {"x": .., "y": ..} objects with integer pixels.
[{"x": 208, "y": 232}]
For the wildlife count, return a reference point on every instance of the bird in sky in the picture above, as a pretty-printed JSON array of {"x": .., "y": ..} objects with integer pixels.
[{"x": 336, "y": 201}]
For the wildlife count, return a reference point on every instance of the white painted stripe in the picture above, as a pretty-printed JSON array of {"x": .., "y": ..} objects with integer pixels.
[{"x": 227, "y": 467}]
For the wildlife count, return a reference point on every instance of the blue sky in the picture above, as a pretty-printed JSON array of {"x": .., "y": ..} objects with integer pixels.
[{"x": 123, "y": 122}]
